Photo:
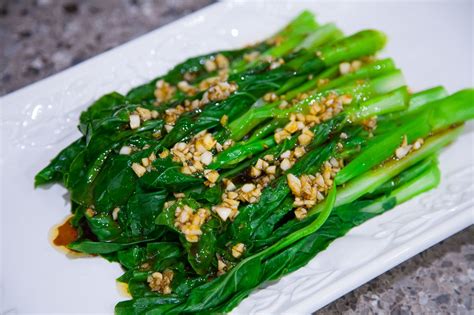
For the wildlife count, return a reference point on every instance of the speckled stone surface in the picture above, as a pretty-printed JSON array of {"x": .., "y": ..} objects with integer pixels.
[
  {"x": 39, "y": 38},
  {"x": 439, "y": 280}
]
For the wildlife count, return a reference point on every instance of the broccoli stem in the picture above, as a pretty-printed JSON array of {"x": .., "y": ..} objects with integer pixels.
[
  {"x": 451, "y": 110},
  {"x": 394, "y": 101},
  {"x": 422, "y": 99},
  {"x": 371, "y": 70},
  {"x": 427, "y": 180},
  {"x": 426, "y": 96},
  {"x": 403, "y": 178},
  {"x": 363, "y": 43},
  {"x": 322, "y": 35},
  {"x": 370, "y": 180},
  {"x": 245, "y": 123}
]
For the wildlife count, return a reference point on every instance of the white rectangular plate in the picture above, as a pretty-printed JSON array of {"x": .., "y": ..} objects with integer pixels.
[{"x": 428, "y": 40}]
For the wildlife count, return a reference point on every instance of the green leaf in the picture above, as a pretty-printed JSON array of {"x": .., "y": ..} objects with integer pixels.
[
  {"x": 171, "y": 179},
  {"x": 115, "y": 184},
  {"x": 203, "y": 253},
  {"x": 91, "y": 247},
  {"x": 58, "y": 168},
  {"x": 141, "y": 211},
  {"x": 104, "y": 227},
  {"x": 101, "y": 108}
]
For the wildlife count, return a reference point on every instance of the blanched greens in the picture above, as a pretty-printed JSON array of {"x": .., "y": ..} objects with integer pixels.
[{"x": 238, "y": 167}]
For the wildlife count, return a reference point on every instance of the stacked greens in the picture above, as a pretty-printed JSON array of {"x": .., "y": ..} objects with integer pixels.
[{"x": 197, "y": 233}]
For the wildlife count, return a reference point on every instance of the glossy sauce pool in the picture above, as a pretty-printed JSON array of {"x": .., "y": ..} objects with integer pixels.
[{"x": 63, "y": 234}]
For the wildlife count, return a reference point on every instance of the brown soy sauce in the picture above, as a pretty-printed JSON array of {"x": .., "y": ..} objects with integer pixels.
[{"x": 63, "y": 234}]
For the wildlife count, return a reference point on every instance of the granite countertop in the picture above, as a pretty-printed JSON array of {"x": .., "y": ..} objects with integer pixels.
[{"x": 39, "y": 38}]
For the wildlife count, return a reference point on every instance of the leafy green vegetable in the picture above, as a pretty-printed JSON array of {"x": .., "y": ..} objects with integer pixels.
[
  {"x": 449, "y": 111},
  {"x": 141, "y": 212},
  {"x": 238, "y": 167},
  {"x": 58, "y": 169}
]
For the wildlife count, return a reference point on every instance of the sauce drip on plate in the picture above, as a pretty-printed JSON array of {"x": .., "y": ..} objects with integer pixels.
[
  {"x": 62, "y": 235},
  {"x": 65, "y": 233}
]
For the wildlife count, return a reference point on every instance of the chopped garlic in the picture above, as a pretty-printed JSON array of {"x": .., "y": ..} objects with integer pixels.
[
  {"x": 285, "y": 164},
  {"x": 134, "y": 121},
  {"x": 125, "y": 150},
  {"x": 138, "y": 169},
  {"x": 344, "y": 68},
  {"x": 115, "y": 213},
  {"x": 247, "y": 187},
  {"x": 223, "y": 212},
  {"x": 206, "y": 158},
  {"x": 294, "y": 183},
  {"x": 238, "y": 250}
]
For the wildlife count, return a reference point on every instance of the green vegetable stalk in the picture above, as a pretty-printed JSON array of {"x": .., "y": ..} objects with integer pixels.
[{"x": 278, "y": 149}]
